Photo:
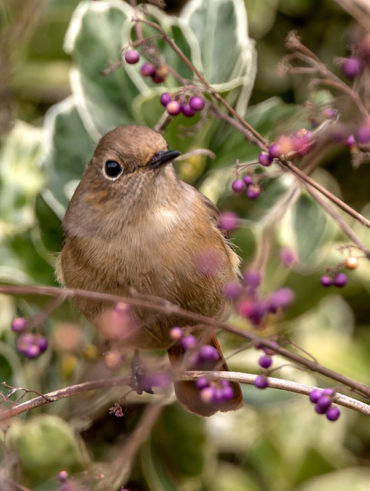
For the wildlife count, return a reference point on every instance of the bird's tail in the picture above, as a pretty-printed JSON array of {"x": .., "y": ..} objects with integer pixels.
[{"x": 189, "y": 395}]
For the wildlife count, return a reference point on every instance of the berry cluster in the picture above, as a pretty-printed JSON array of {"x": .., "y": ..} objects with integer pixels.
[
  {"x": 204, "y": 357},
  {"x": 179, "y": 104},
  {"x": 250, "y": 304},
  {"x": 323, "y": 403},
  {"x": 27, "y": 344},
  {"x": 265, "y": 361},
  {"x": 298, "y": 143},
  {"x": 158, "y": 74},
  {"x": 340, "y": 279},
  {"x": 246, "y": 184}
]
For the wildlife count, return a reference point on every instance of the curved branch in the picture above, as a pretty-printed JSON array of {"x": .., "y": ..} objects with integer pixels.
[{"x": 243, "y": 378}]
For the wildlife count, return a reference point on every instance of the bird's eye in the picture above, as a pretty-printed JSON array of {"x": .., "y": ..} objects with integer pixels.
[{"x": 112, "y": 169}]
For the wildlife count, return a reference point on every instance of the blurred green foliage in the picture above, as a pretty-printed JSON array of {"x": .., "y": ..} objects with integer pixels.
[{"x": 275, "y": 442}]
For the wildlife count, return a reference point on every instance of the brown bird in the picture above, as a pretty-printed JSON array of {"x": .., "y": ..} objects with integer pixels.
[{"x": 133, "y": 225}]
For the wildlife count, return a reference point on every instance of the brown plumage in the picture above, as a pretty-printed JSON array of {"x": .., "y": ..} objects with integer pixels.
[{"x": 145, "y": 229}]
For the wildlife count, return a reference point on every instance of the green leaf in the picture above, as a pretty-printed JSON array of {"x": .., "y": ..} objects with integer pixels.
[
  {"x": 179, "y": 31},
  {"x": 95, "y": 37},
  {"x": 21, "y": 261},
  {"x": 46, "y": 444},
  {"x": 69, "y": 147},
  {"x": 228, "y": 55},
  {"x": 50, "y": 225},
  {"x": 165, "y": 461},
  {"x": 20, "y": 177},
  {"x": 309, "y": 223}
]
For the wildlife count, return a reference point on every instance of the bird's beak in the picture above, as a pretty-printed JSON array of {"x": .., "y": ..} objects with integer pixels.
[{"x": 163, "y": 157}]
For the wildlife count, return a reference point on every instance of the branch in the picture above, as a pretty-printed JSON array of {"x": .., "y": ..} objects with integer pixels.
[
  {"x": 308, "y": 181},
  {"x": 262, "y": 142},
  {"x": 253, "y": 135},
  {"x": 243, "y": 378},
  {"x": 277, "y": 383},
  {"x": 163, "y": 306}
]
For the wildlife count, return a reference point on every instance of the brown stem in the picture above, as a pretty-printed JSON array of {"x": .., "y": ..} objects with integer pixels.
[
  {"x": 56, "y": 395},
  {"x": 341, "y": 204},
  {"x": 243, "y": 378},
  {"x": 159, "y": 305},
  {"x": 344, "y": 226}
]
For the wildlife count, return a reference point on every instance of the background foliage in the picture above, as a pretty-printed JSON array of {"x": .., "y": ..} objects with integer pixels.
[{"x": 56, "y": 106}]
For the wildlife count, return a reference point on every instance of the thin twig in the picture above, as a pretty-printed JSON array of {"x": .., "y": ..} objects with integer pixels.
[
  {"x": 56, "y": 395},
  {"x": 341, "y": 204},
  {"x": 343, "y": 225}
]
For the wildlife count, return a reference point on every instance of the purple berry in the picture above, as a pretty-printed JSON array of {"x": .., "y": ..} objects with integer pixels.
[
  {"x": 165, "y": 99},
  {"x": 257, "y": 313},
  {"x": 176, "y": 333},
  {"x": 238, "y": 186},
  {"x": 275, "y": 150},
  {"x": 329, "y": 113},
  {"x": 328, "y": 392},
  {"x": 247, "y": 180},
  {"x": 147, "y": 70},
  {"x": 228, "y": 221},
  {"x": 23, "y": 342},
  {"x": 350, "y": 141},
  {"x": 158, "y": 79},
  {"x": 232, "y": 289},
  {"x": 315, "y": 395},
  {"x": 18, "y": 324},
  {"x": 132, "y": 56},
  {"x": 261, "y": 382},
  {"x": 280, "y": 298},
  {"x": 173, "y": 108},
  {"x": 363, "y": 134},
  {"x": 333, "y": 413},
  {"x": 227, "y": 393},
  {"x": 352, "y": 67},
  {"x": 302, "y": 141},
  {"x": 326, "y": 281},
  {"x": 323, "y": 404},
  {"x": 319, "y": 409},
  {"x": 207, "y": 394},
  {"x": 196, "y": 103},
  {"x": 253, "y": 191},
  {"x": 63, "y": 476},
  {"x": 340, "y": 280},
  {"x": 245, "y": 308},
  {"x": 265, "y": 159},
  {"x": 208, "y": 353},
  {"x": 288, "y": 257},
  {"x": 42, "y": 343},
  {"x": 265, "y": 361},
  {"x": 187, "y": 110},
  {"x": 202, "y": 383},
  {"x": 252, "y": 278},
  {"x": 189, "y": 342},
  {"x": 32, "y": 351}
]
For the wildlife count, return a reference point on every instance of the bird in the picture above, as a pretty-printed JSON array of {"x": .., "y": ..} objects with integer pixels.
[{"x": 133, "y": 225}]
